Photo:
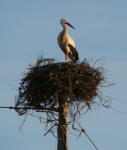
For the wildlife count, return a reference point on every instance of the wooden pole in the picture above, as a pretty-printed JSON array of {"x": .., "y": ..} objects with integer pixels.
[{"x": 62, "y": 131}]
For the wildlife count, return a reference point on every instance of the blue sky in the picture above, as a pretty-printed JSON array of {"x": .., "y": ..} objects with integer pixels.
[{"x": 28, "y": 28}]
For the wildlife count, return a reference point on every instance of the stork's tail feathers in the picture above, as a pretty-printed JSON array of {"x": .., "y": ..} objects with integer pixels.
[
  {"x": 74, "y": 52},
  {"x": 76, "y": 56}
]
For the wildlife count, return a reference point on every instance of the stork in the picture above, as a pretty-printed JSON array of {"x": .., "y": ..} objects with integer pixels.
[{"x": 66, "y": 43}]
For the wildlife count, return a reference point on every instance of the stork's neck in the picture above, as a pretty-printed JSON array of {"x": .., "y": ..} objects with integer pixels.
[
  {"x": 63, "y": 33},
  {"x": 64, "y": 29}
]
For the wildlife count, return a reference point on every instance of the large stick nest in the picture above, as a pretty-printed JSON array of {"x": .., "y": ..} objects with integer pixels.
[{"x": 43, "y": 85}]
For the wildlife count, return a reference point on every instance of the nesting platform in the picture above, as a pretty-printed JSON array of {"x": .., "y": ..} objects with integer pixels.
[{"x": 43, "y": 85}]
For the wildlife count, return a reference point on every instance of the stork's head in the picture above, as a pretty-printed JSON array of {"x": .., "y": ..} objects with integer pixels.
[{"x": 64, "y": 21}]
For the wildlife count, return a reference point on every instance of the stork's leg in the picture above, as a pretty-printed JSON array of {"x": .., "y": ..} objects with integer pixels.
[{"x": 66, "y": 56}]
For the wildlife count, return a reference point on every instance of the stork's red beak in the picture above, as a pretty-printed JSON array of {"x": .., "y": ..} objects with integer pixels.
[{"x": 70, "y": 25}]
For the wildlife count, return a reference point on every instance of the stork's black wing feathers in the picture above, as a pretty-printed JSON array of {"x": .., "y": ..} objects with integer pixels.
[{"x": 74, "y": 52}]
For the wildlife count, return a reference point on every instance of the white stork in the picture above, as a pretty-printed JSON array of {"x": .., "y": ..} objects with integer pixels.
[{"x": 66, "y": 43}]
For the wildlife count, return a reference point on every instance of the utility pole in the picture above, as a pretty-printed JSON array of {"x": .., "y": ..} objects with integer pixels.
[{"x": 62, "y": 131}]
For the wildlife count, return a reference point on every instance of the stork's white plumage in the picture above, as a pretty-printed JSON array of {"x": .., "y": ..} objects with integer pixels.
[{"x": 66, "y": 43}]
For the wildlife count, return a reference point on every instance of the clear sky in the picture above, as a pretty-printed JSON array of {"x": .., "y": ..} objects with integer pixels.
[{"x": 28, "y": 28}]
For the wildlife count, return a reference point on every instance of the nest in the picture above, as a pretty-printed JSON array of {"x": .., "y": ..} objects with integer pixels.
[
  {"x": 50, "y": 86},
  {"x": 43, "y": 85}
]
